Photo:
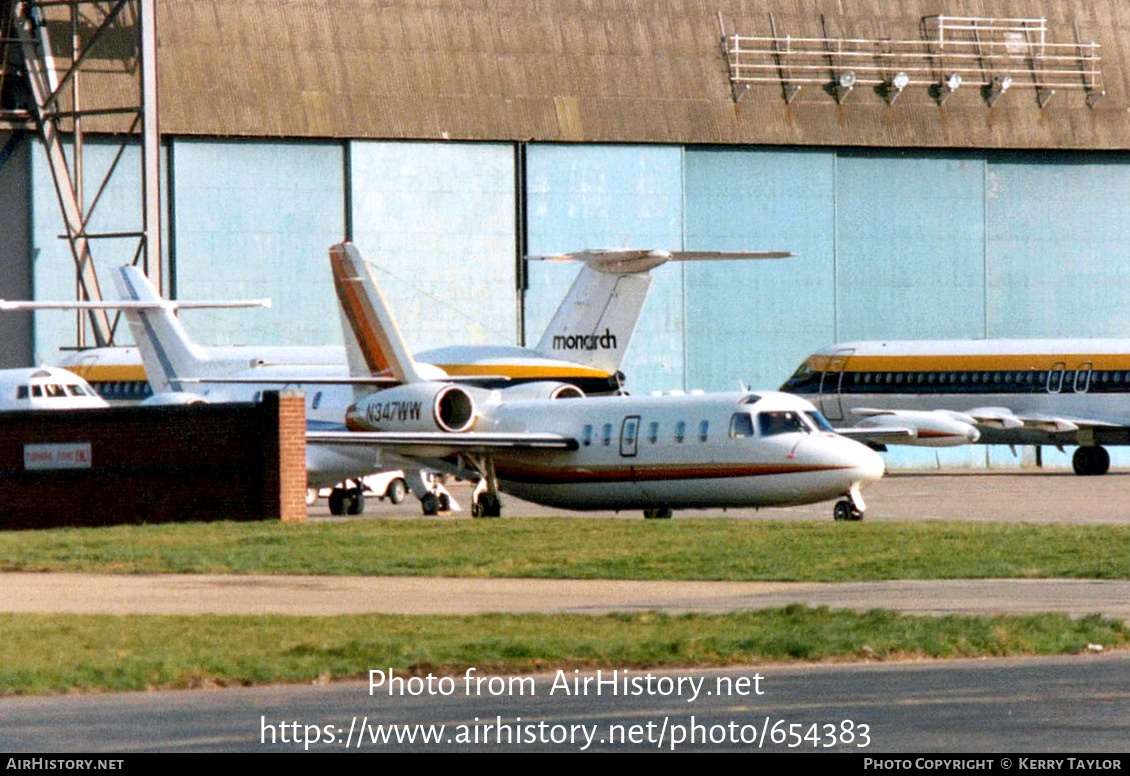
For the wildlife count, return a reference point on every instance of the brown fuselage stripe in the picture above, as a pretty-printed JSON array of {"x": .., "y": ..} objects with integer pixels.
[{"x": 628, "y": 473}]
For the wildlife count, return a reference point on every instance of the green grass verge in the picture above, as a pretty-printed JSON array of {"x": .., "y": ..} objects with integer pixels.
[
  {"x": 586, "y": 548},
  {"x": 99, "y": 652}
]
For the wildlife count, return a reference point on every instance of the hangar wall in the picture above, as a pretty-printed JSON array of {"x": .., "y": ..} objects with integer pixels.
[{"x": 917, "y": 243}]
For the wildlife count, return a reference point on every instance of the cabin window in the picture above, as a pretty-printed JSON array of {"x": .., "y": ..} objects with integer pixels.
[
  {"x": 680, "y": 431},
  {"x": 37, "y": 391},
  {"x": 606, "y": 434},
  {"x": 586, "y": 435},
  {"x": 21, "y": 392},
  {"x": 703, "y": 430},
  {"x": 653, "y": 432},
  {"x": 771, "y": 423},
  {"x": 741, "y": 425}
]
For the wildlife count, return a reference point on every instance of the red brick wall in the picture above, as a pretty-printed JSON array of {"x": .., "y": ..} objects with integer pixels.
[{"x": 159, "y": 464}]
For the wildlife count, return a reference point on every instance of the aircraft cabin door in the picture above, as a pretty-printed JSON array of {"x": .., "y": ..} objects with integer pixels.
[
  {"x": 831, "y": 384},
  {"x": 630, "y": 436}
]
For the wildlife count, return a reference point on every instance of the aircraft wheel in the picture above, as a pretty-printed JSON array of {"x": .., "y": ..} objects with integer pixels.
[
  {"x": 845, "y": 510},
  {"x": 1090, "y": 460},
  {"x": 489, "y": 504},
  {"x": 430, "y": 504},
  {"x": 659, "y": 513},
  {"x": 337, "y": 501},
  {"x": 444, "y": 502},
  {"x": 355, "y": 503},
  {"x": 396, "y": 491},
  {"x": 1102, "y": 460}
]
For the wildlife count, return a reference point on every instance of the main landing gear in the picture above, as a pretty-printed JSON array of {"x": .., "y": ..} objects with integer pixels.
[
  {"x": 485, "y": 501},
  {"x": 433, "y": 503},
  {"x": 1090, "y": 460},
  {"x": 658, "y": 513},
  {"x": 348, "y": 500},
  {"x": 486, "y": 505}
]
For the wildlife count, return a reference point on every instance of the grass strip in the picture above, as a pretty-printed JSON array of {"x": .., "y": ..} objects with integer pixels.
[
  {"x": 137, "y": 652},
  {"x": 586, "y": 548}
]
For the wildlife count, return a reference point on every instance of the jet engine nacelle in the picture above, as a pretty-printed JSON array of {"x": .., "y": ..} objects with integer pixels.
[
  {"x": 937, "y": 428},
  {"x": 415, "y": 407},
  {"x": 173, "y": 398},
  {"x": 544, "y": 389}
]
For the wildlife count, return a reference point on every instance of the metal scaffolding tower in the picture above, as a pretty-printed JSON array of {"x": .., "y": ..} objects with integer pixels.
[{"x": 46, "y": 46}]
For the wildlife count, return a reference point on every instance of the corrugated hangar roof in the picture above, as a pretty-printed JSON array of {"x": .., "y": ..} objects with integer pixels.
[{"x": 634, "y": 71}]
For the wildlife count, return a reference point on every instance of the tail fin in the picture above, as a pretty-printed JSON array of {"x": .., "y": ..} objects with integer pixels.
[
  {"x": 372, "y": 339},
  {"x": 166, "y": 349},
  {"x": 596, "y": 320}
]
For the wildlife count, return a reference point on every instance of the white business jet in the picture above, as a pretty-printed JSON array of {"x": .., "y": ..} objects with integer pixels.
[
  {"x": 543, "y": 442},
  {"x": 583, "y": 346},
  {"x": 954, "y": 392}
]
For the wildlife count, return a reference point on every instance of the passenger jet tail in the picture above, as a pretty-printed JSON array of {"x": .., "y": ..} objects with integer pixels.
[
  {"x": 596, "y": 320},
  {"x": 167, "y": 350}
]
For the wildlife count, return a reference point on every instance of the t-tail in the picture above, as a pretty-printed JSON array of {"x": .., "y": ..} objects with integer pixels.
[
  {"x": 596, "y": 320},
  {"x": 167, "y": 350},
  {"x": 373, "y": 342}
]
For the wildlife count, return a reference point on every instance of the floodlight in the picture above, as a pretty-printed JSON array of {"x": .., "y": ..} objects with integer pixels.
[
  {"x": 948, "y": 87},
  {"x": 999, "y": 86}
]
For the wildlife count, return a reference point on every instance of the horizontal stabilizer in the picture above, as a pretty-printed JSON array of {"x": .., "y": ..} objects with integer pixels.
[
  {"x": 627, "y": 261},
  {"x": 124, "y": 304}
]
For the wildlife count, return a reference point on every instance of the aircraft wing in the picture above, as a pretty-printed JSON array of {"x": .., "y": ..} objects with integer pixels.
[
  {"x": 1059, "y": 424},
  {"x": 879, "y": 435},
  {"x": 439, "y": 444}
]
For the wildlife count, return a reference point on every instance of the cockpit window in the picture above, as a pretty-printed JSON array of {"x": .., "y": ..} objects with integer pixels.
[
  {"x": 741, "y": 425},
  {"x": 771, "y": 423},
  {"x": 819, "y": 421},
  {"x": 22, "y": 392}
]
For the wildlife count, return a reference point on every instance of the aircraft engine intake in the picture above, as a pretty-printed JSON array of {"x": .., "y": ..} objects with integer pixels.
[
  {"x": 415, "y": 407},
  {"x": 545, "y": 389},
  {"x": 938, "y": 428}
]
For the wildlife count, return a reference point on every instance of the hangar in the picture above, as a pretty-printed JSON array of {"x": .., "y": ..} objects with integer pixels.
[{"x": 450, "y": 138}]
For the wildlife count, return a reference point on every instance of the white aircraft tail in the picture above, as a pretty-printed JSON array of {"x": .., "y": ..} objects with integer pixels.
[
  {"x": 373, "y": 341},
  {"x": 167, "y": 350},
  {"x": 596, "y": 320}
]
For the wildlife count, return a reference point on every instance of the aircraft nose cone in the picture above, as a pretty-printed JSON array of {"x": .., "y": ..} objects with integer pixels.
[{"x": 870, "y": 465}]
